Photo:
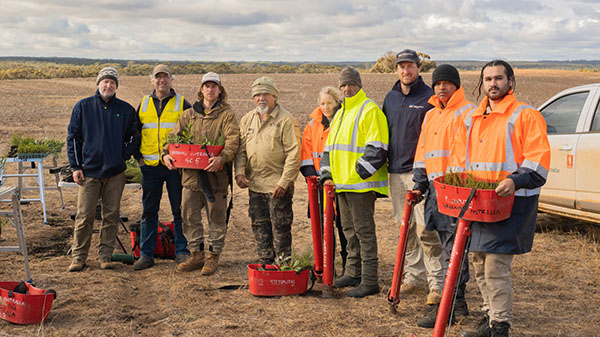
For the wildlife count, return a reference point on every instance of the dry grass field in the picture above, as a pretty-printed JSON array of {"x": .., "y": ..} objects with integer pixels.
[{"x": 556, "y": 286}]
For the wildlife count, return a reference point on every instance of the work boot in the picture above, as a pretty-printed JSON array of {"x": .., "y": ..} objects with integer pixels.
[
  {"x": 482, "y": 329},
  {"x": 499, "y": 329},
  {"x": 364, "y": 290},
  {"x": 428, "y": 321},
  {"x": 434, "y": 297},
  {"x": 210, "y": 267},
  {"x": 407, "y": 288},
  {"x": 76, "y": 265},
  {"x": 346, "y": 281},
  {"x": 196, "y": 261},
  {"x": 106, "y": 263},
  {"x": 143, "y": 263},
  {"x": 460, "y": 307},
  {"x": 181, "y": 258}
]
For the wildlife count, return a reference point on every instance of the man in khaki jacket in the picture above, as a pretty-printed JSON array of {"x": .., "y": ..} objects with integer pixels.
[
  {"x": 267, "y": 163},
  {"x": 209, "y": 119}
]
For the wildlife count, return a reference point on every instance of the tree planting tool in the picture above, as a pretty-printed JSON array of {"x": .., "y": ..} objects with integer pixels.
[
  {"x": 328, "y": 243},
  {"x": 315, "y": 222},
  {"x": 394, "y": 293}
]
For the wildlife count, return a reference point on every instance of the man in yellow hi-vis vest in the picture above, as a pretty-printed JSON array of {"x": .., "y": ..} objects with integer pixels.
[
  {"x": 354, "y": 160},
  {"x": 158, "y": 113}
]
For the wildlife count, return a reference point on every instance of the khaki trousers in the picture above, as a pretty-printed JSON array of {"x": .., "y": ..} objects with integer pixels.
[
  {"x": 358, "y": 224},
  {"x": 423, "y": 260},
  {"x": 192, "y": 204},
  {"x": 109, "y": 191},
  {"x": 492, "y": 272}
]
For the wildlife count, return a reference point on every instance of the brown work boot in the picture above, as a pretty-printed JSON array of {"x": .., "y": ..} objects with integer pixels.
[
  {"x": 76, "y": 265},
  {"x": 407, "y": 288},
  {"x": 434, "y": 297},
  {"x": 106, "y": 263},
  {"x": 195, "y": 261},
  {"x": 210, "y": 267}
]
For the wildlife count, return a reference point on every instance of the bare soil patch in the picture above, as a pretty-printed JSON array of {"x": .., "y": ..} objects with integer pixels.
[{"x": 555, "y": 286}]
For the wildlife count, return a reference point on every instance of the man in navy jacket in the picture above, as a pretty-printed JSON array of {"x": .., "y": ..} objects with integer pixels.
[
  {"x": 405, "y": 107},
  {"x": 102, "y": 135}
]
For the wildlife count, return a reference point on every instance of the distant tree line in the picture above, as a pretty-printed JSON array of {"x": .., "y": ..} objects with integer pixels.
[
  {"x": 44, "y": 70},
  {"x": 68, "y": 67}
]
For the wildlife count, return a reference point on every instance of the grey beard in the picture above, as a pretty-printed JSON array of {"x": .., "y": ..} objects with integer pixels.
[{"x": 262, "y": 110}]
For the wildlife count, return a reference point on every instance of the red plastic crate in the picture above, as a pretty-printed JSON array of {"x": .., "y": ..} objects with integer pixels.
[
  {"x": 486, "y": 206},
  {"x": 32, "y": 308},
  {"x": 193, "y": 156},
  {"x": 273, "y": 282}
]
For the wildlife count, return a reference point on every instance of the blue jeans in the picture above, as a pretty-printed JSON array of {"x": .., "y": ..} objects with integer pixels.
[{"x": 153, "y": 178}]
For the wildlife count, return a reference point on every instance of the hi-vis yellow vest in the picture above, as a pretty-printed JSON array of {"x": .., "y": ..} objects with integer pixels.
[
  {"x": 357, "y": 124},
  {"x": 155, "y": 129}
]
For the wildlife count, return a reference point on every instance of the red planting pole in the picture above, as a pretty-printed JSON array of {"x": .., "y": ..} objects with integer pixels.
[
  {"x": 328, "y": 248},
  {"x": 463, "y": 231},
  {"x": 393, "y": 294},
  {"x": 315, "y": 221}
]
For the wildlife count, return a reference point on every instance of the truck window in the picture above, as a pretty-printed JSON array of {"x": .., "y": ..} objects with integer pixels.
[
  {"x": 596, "y": 121},
  {"x": 562, "y": 115}
]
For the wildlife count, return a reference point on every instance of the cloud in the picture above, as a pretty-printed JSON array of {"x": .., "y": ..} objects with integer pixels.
[{"x": 311, "y": 30}]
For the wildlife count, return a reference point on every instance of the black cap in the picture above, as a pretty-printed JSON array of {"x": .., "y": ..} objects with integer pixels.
[
  {"x": 407, "y": 55},
  {"x": 445, "y": 72}
]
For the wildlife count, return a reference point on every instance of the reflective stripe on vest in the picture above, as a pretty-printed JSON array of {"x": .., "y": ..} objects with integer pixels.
[
  {"x": 437, "y": 154},
  {"x": 362, "y": 186},
  {"x": 307, "y": 162},
  {"x": 434, "y": 175},
  {"x": 150, "y": 156}
]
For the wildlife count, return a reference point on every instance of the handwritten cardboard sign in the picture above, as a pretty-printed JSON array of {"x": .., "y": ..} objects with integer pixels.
[{"x": 192, "y": 155}]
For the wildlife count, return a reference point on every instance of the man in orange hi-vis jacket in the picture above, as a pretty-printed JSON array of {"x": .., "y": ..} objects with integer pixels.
[
  {"x": 503, "y": 140},
  {"x": 431, "y": 161}
]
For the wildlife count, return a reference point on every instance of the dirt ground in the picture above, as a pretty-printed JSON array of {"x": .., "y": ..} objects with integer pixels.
[{"x": 556, "y": 286}]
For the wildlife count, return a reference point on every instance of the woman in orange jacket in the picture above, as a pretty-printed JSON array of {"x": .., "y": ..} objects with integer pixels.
[{"x": 313, "y": 141}]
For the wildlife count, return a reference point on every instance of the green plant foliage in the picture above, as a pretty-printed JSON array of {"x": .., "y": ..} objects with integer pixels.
[
  {"x": 26, "y": 144},
  {"x": 184, "y": 137},
  {"x": 295, "y": 262},
  {"x": 467, "y": 180},
  {"x": 133, "y": 174}
]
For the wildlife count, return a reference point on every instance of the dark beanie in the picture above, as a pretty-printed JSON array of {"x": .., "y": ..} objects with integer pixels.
[
  {"x": 108, "y": 72},
  {"x": 350, "y": 75},
  {"x": 445, "y": 72}
]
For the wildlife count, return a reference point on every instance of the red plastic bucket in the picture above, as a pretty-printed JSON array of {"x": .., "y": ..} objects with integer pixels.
[
  {"x": 31, "y": 308},
  {"x": 273, "y": 282},
  {"x": 192, "y": 155},
  {"x": 486, "y": 205}
]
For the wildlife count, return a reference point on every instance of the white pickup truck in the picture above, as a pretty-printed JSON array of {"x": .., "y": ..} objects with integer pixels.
[{"x": 573, "y": 185}]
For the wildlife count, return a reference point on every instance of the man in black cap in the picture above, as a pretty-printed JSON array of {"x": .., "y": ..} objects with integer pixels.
[
  {"x": 449, "y": 103},
  {"x": 102, "y": 134},
  {"x": 405, "y": 107}
]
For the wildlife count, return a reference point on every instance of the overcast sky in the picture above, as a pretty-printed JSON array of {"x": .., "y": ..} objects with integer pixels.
[{"x": 300, "y": 30}]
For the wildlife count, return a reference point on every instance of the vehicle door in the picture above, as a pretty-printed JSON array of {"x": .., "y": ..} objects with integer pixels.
[
  {"x": 587, "y": 161},
  {"x": 562, "y": 114}
]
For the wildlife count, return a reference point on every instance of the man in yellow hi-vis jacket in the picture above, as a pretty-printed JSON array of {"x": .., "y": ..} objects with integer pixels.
[
  {"x": 158, "y": 113},
  {"x": 354, "y": 160}
]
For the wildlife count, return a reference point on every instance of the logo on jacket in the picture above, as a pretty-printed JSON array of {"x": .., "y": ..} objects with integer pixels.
[{"x": 412, "y": 106}]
